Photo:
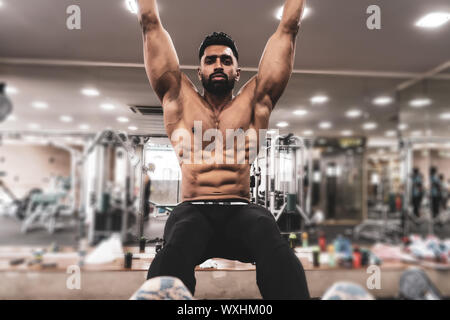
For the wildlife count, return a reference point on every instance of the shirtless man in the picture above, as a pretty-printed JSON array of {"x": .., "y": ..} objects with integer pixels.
[{"x": 216, "y": 219}]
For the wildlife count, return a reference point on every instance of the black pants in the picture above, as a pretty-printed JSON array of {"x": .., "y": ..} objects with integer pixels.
[
  {"x": 248, "y": 233},
  {"x": 417, "y": 201},
  {"x": 435, "y": 206}
]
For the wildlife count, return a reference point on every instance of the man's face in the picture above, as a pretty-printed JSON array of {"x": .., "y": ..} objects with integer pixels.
[{"x": 218, "y": 70}]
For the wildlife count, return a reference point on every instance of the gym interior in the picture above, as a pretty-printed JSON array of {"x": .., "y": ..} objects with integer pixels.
[{"x": 355, "y": 166}]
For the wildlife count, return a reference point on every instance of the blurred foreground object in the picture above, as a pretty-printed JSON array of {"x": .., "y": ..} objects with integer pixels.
[
  {"x": 162, "y": 288},
  {"x": 5, "y": 104},
  {"x": 347, "y": 291}
]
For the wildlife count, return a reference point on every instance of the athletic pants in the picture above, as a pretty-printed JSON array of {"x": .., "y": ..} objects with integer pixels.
[{"x": 247, "y": 233}]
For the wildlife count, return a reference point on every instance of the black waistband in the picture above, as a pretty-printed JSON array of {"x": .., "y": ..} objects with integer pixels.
[{"x": 224, "y": 202}]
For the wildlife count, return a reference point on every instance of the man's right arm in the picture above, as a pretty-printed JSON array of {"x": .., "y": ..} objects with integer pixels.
[{"x": 161, "y": 61}]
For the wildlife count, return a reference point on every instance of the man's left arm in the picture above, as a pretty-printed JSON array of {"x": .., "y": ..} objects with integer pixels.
[{"x": 277, "y": 62}]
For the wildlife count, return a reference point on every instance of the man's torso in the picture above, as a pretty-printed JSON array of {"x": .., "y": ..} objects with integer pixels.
[{"x": 207, "y": 175}]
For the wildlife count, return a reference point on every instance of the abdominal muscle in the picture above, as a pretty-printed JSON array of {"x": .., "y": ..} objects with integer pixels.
[{"x": 215, "y": 181}]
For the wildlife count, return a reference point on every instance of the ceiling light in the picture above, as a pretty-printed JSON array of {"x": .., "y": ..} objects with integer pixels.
[
  {"x": 83, "y": 126},
  {"x": 355, "y": 113},
  {"x": 40, "y": 105},
  {"x": 272, "y": 131},
  {"x": 90, "y": 92},
  {"x": 420, "y": 102},
  {"x": 107, "y": 106},
  {"x": 33, "y": 126},
  {"x": 325, "y": 125},
  {"x": 11, "y": 90},
  {"x": 370, "y": 126},
  {"x": 123, "y": 119},
  {"x": 445, "y": 116},
  {"x": 279, "y": 13},
  {"x": 11, "y": 117},
  {"x": 382, "y": 101},
  {"x": 403, "y": 126},
  {"x": 433, "y": 20},
  {"x": 132, "y": 6},
  {"x": 390, "y": 133},
  {"x": 346, "y": 133},
  {"x": 132, "y": 128},
  {"x": 66, "y": 118},
  {"x": 416, "y": 133},
  {"x": 308, "y": 133},
  {"x": 282, "y": 124},
  {"x": 319, "y": 99},
  {"x": 300, "y": 112}
]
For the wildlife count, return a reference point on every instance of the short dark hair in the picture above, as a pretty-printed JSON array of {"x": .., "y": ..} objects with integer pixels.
[{"x": 219, "y": 38}]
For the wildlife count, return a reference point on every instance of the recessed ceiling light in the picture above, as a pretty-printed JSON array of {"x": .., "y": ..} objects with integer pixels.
[
  {"x": 11, "y": 90},
  {"x": 354, "y": 113},
  {"x": 445, "y": 116},
  {"x": 383, "y": 101},
  {"x": 325, "y": 125},
  {"x": 132, "y": 128},
  {"x": 132, "y": 6},
  {"x": 279, "y": 13},
  {"x": 416, "y": 133},
  {"x": 346, "y": 133},
  {"x": 90, "y": 92},
  {"x": 40, "y": 105},
  {"x": 66, "y": 118},
  {"x": 403, "y": 126},
  {"x": 11, "y": 117},
  {"x": 420, "y": 102},
  {"x": 84, "y": 126},
  {"x": 433, "y": 20},
  {"x": 308, "y": 133},
  {"x": 107, "y": 106},
  {"x": 370, "y": 126},
  {"x": 34, "y": 126},
  {"x": 123, "y": 119},
  {"x": 390, "y": 133},
  {"x": 319, "y": 99},
  {"x": 300, "y": 112},
  {"x": 282, "y": 124}
]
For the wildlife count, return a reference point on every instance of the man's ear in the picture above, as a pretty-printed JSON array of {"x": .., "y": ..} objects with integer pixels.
[
  {"x": 238, "y": 74},
  {"x": 199, "y": 74}
]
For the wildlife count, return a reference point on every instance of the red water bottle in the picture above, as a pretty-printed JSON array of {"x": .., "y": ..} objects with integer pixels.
[
  {"x": 322, "y": 242},
  {"x": 356, "y": 258}
]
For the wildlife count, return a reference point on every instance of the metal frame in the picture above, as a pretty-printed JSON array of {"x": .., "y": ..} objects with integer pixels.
[{"x": 303, "y": 207}]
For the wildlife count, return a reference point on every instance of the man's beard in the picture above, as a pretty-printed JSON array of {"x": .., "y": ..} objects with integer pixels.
[{"x": 218, "y": 87}]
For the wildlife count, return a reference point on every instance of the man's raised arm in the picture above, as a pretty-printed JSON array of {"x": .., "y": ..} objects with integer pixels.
[
  {"x": 277, "y": 62},
  {"x": 161, "y": 61}
]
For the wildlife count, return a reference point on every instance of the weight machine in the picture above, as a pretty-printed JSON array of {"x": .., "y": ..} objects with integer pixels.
[{"x": 288, "y": 163}]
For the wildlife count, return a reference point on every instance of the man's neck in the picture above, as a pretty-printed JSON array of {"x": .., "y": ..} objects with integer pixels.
[{"x": 217, "y": 102}]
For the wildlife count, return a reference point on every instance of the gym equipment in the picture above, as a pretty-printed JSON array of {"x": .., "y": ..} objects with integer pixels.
[
  {"x": 44, "y": 210},
  {"x": 55, "y": 209},
  {"x": 288, "y": 162},
  {"x": 111, "y": 208}
]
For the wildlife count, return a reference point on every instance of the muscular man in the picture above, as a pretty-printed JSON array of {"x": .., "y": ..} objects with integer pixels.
[{"x": 216, "y": 218}]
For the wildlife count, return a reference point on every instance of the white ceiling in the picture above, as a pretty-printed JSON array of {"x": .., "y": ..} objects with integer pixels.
[{"x": 333, "y": 38}]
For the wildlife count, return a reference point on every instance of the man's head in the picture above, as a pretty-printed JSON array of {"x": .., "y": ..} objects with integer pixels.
[{"x": 218, "y": 69}]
